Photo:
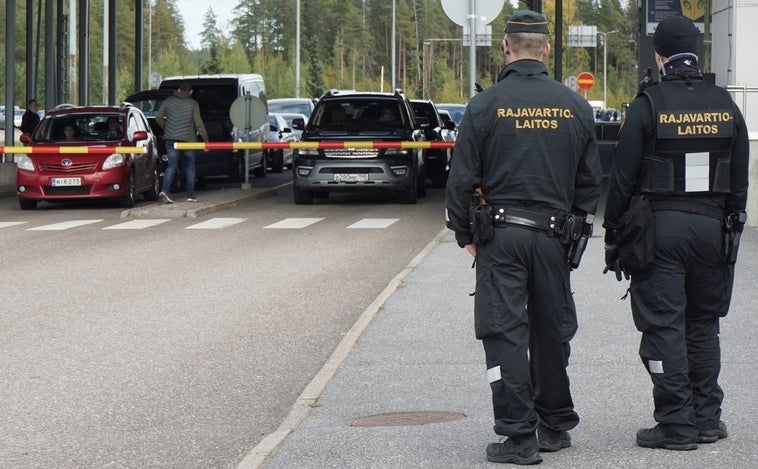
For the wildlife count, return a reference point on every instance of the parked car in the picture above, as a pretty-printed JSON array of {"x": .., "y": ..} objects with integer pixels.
[
  {"x": 456, "y": 110},
  {"x": 279, "y": 131},
  {"x": 349, "y": 115},
  {"x": 295, "y": 121},
  {"x": 435, "y": 130},
  {"x": 289, "y": 105},
  {"x": 64, "y": 176}
]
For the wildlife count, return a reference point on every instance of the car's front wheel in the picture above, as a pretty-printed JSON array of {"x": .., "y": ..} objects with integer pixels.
[
  {"x": 27, "y": 204},
  {"x": 410, "y": 194},
  {"x": 155, "y": 188},
  {"x": 303, "y": 197},
  {"x": 277, "y": 161},
  {"x": 130, "y": 198}
]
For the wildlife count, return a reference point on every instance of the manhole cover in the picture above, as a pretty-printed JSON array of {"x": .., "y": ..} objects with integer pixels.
[{"x": 399, "y": 419}]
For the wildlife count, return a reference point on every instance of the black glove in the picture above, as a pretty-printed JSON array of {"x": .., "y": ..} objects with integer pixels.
[{"x": 613, "y": 262}]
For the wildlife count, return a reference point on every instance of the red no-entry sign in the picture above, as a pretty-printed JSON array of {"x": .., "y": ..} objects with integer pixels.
[{"x": 585, "y": 81}]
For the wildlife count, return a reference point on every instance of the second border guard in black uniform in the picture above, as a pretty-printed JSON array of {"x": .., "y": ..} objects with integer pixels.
[
  {"x": 673, "y": 219},
  {"x": 523, "y": 186}
]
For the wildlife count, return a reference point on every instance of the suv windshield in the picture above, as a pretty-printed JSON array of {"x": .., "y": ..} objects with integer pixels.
[{"x": 364, "y": 114}]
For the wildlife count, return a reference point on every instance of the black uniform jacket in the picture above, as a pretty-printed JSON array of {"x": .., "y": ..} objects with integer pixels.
[
  {"x": 529, "y": 142},
  {"x": 637, "y": 138}
]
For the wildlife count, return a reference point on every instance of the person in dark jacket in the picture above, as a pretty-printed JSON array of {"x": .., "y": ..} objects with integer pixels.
[
  {"x": 679, "y": 179},
  {"x": 30, "y": 119},
  {"x": 179, "y": 117},
  {"x": 528, "y": 144}
]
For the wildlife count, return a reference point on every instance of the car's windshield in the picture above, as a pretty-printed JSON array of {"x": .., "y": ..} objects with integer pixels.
[
  {"x": 291, "y": 107},
  {"x": 363, "y": 113},
  {"x": 80, "y": 127}
]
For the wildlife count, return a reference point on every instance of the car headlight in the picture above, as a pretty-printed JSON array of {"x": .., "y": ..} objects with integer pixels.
[
  {"x": 113, "y": 161},
  {"x": 25, "y": 163},
  {"x": 307, "y": 152}
]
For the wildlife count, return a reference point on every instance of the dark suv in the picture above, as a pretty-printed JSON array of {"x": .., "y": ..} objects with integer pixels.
[{"x": 345, "y": 116}]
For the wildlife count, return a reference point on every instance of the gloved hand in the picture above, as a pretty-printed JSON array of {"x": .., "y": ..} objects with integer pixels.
[{"x": 613, "y": 262}]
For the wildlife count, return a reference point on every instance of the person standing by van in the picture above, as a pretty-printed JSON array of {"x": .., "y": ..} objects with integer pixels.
[{"x": 179, "y": 117}]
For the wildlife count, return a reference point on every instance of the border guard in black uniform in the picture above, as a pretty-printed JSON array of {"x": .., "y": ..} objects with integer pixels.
[
  {"x": 673, "y": 218},
  {"x": 522, "y": 190}
]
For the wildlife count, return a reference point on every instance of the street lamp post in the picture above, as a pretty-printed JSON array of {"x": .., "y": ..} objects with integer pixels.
[{"x": 605, "y": 66}]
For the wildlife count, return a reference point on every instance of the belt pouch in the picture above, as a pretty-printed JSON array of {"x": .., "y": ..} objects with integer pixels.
[
  {"x": 482, "y": 225},
  {"x": 635, "y": 235}
]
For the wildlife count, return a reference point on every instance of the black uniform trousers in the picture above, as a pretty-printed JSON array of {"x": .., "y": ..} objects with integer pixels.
[
  {"x": 525, "y": 317},
  {"x": 676, "y": 304}
]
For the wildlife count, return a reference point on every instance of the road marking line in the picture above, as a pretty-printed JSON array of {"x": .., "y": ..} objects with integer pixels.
[
  {"x": 5, "y": 224},
  {"x": 64, "y": 225},
  {"x": 294, "y": 223},
  {"x": 371, "y": 223},
  {"x": 215, "y": 224},
  {"x": 137, "y": 224}
]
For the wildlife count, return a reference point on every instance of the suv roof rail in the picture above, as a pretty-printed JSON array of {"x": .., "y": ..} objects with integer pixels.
[{"x": 65, "y": 106}]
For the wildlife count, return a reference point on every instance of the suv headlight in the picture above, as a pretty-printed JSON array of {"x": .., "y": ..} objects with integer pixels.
[
  {"x": 113, "y": 161},
  {"x": 307, "y": 152},
  {"x": 25, "y": 163}
]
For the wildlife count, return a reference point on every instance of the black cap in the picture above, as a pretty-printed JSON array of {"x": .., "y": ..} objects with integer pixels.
[
  {"x": 526, "y": 21},
  {"x": 675, "y": 35}
]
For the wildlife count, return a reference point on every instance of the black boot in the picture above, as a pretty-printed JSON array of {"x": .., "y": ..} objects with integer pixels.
[
  {"x": 656, "y": 438},
  {"x": 552, "y": 440},
  {"x": 522, "y": 450},
  {"x": 713, "y": 435}
]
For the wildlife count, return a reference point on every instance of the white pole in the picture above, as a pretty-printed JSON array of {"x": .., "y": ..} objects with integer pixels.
[
  {"x": 394, "y": 82},
  {"x": 472, "y": 45},
  {"x": 72, "y": 51},
  {"x": 106, "y": 72},
  {"x": 297, "y": 49}
]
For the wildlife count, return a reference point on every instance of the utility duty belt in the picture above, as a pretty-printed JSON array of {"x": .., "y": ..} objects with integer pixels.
[
  {"x": 551, "y": 224},
  {"x": 688, "y": 206}
]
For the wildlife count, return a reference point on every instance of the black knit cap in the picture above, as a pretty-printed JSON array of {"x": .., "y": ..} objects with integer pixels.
[
  {"x": 675, "y": 35},
  {"x": 526, "y": 21}
]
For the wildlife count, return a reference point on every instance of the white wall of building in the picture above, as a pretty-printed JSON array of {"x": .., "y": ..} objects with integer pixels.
[{"x": 737, "y": 70}]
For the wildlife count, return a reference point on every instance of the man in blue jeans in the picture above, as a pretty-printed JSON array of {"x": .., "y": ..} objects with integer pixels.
[{"x": 179, "y": 117}]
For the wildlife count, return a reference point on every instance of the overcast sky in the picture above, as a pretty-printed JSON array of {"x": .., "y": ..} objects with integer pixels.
[{"x": 193, "y": 13}]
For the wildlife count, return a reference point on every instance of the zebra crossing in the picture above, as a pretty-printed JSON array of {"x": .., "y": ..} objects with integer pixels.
[{"x": 216, "y": 223}]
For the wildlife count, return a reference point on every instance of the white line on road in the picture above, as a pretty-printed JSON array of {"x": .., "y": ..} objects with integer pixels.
[
  {"x": 64, "y": 225},
  {"x": 215, "y": 223},
  {"x": 294, "y": 223},
  {"x": 137, "y": 224},
  {"x": 4, "y": 224},
  {"x": 371, "y": 223}
]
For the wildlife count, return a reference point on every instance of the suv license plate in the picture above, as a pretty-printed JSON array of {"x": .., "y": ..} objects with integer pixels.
[
  {"x": 58, "y": 182},
  {"x": 351, "y": 177}
]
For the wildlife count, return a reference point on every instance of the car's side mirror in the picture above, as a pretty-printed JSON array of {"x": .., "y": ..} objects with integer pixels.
[
  {"x": 139, "y": 136},
  {"x": 26, "y": 139},
  {"x": 298, "y": 123}
]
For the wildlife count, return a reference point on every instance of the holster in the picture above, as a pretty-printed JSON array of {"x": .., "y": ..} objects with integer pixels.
[
  {"x": 580, "y": 229},
  {"x": 733, "y": 225},
  {"x": 481, "y": 224}
]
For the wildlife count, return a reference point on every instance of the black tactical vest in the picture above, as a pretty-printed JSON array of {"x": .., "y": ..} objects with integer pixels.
[{"x": 694, "y": 130}]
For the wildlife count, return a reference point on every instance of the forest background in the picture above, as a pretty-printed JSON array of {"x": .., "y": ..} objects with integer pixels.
[{"x": 344, "y": 44}]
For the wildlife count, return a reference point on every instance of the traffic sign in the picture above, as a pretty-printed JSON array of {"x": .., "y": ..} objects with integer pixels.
[{"x": 585, "y": 81}]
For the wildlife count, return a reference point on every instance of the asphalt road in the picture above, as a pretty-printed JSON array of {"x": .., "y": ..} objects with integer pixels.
[{"x": 184, "y": 342}]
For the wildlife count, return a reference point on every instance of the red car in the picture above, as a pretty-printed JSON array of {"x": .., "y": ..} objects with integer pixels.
[{"x": 62, "y": 176}]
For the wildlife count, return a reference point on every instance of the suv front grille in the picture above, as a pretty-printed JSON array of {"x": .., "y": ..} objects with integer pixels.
[
  {"x": 350, "y": 170},
  {"x": 352, "y": 153}
]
